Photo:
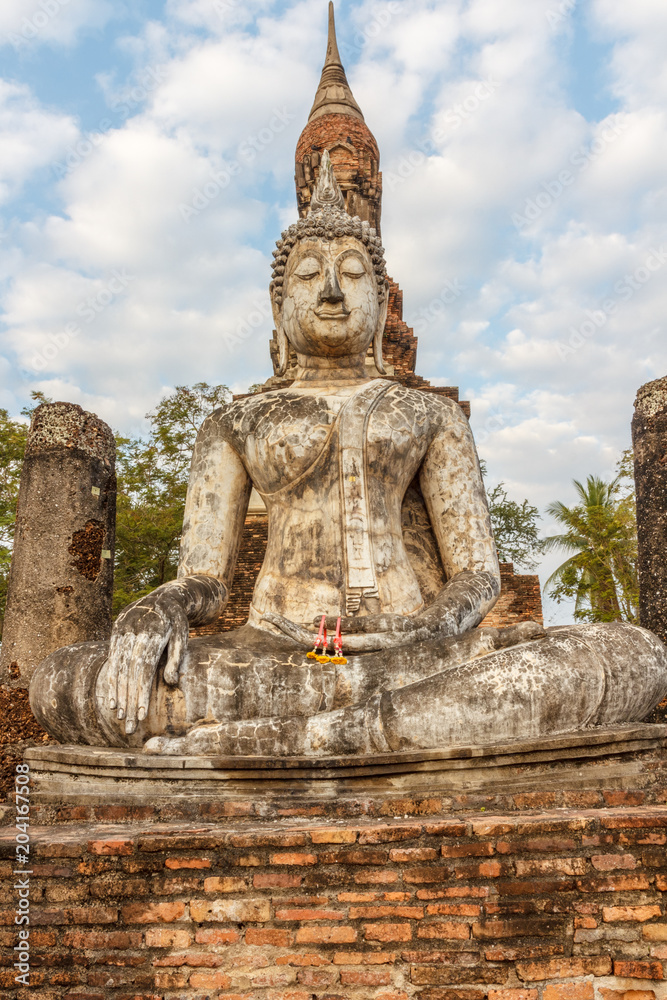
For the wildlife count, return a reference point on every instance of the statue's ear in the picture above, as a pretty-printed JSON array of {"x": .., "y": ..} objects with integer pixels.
[
  {"x": 283, "y": 343},
  {"x": 379, "y": 332}
]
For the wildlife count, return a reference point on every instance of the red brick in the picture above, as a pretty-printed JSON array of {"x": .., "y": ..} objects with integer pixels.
[
  {"x": 535, "y": 800},
  {"x": 162, "y": 937},
  {"x": 354, "y": 858},
  {"x": 304, "y": 914},
  {"x": 537, "y": 845},
  {"x": 293, "y": 859},
  {"x": 655, "y": 932},
  {"x": 451, "y": 828},
  {"x": 614, "y": 883},
  {"x": 93, "y": 915},
  {"x": 491, "y": 929},
  {"x": 278, "y": 839},
  {"x": 549, "y": 866},
  {"x": 326, "y": 935},
  {"x": 176, "y": 863},
  {"x": 417, "y": 875},
  {"x": 455, "y": 892},
  {"x": 620, "y": 798},
  {"x": 316, "y": 977},
  {"x": 513, "y": 994},
  {"x": 486, "y": 869},
  {"x": 358, "y": 897},
  {"x": 661, "y": 882},
  {"x": 637, "y": 914},
  {"x": 446, "y": 930},
  {"x": 564, "y": 968},
  {"x": 153, "y": 913},
  {"x": 388, "y": 932},
  {"x": 110, "y": 847},
  {"x": 85, "y": 940},
  {"x": 569, "y": 991},
  {"x": 234, "y": 911},
  {"x": 303, "y": 960},
  {"x": 218, "y": 936},
  {"x": 413, "y": 854},
  {"x": 484, "y": 850},
  {"x": 411, "y": 807},
  {"x": 353, "y": 977},
  {"x": 509, "y": 954},
  {"x": 638, "y": 970},
  {"x": 388, "y": 833},
  {"x": 208, "y": 980},
  {"x": 276, "y": 880},
  {"x": 376, "y": 912},
  {"x": 610, "y": 862},
  {"x": 335, "y": 835},
  {"x": 215, "y": 884},
  {"x": 453, "y": 910},
  {"x": 364, "y": 958}
]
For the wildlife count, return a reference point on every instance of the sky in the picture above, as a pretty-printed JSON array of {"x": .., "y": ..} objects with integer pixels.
[{"x": 146, "y": 169}]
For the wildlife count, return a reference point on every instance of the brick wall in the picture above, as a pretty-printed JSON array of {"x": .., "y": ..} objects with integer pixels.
[
  {"x": 568, "y": 905},
  {"x": 520, "y": 599}
]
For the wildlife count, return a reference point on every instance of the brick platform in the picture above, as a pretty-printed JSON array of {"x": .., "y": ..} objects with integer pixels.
[{"x": 561, "y": 905}]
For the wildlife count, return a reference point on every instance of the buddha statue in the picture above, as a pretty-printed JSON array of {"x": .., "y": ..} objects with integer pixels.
[{"x": 334, "y": 456}]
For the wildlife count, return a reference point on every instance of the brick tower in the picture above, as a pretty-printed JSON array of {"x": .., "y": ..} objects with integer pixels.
[{"x": 336, "y": 123}]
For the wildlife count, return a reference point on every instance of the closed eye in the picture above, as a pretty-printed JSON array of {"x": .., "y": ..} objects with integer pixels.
[
  {"x": 353, "y": 269},
  {"x": 307, "y": 269}
]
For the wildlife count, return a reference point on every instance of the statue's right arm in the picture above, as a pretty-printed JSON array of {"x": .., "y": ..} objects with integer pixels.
[{"x": 215, "y": 510}]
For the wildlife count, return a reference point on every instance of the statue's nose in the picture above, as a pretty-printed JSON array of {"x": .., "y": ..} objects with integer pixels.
[{"x": 332, "y": 291}]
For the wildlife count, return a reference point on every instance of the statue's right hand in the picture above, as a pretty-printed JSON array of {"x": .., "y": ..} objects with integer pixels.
[{"x": 139, "y": 637}]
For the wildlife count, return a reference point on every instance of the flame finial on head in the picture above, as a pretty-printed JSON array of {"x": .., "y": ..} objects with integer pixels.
[{"x": 327, "y": 192}]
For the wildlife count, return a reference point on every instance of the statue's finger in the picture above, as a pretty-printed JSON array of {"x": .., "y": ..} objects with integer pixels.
[
  {"x": 177, "y": 646},
  {"x": 147, "y": 652},
  {"x": 112, "y": 673},
  {"x": 291, "y": 629},
  {"x": 123, "y": 668}
]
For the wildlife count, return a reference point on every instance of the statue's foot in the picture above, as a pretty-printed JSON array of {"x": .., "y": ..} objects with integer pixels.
[
  {"x": 201, "y": 741},
  {"x": 515, "y": 634}
]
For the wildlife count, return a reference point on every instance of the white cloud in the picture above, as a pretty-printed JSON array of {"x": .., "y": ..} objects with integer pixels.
[
  {"x": 35, "y": 22},
  {"x": 30, "y": 137}
]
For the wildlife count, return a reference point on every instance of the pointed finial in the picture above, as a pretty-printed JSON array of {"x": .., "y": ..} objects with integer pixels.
[
  {"x": 327, "y": 193},
  {"x": 333, "y": 94}
]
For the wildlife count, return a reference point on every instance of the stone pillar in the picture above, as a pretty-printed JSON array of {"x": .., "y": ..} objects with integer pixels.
[
  {"x": 649, "y": 437},
  {"x": 61, "y": 578}
]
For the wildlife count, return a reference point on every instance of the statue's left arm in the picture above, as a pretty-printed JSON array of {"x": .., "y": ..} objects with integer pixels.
[
  {"x": 453, "y": 490},
  {"x": 215, "y": 510}
]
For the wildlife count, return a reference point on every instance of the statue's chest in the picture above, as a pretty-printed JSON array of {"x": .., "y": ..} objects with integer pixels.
[{"x": 300, "y": 439}]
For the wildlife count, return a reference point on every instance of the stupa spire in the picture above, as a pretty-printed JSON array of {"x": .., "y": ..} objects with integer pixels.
[{"x": 334, "y": 96}]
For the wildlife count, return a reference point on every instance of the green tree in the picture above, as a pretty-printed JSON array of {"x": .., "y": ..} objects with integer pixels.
[
  {"x": 514, "y": 527},
  {"x": 13, "y": 435},
  {"x": 152, "y": 485},
  {"x": 601, "y": 535}
]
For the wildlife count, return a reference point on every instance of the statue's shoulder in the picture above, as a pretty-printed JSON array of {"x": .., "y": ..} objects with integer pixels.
[
  {"x": 434, "y": 406},
  {"x": 236, "y": 420}
]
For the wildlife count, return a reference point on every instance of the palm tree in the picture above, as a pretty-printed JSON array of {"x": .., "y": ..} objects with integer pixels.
[{"x": 601, "y": 572}]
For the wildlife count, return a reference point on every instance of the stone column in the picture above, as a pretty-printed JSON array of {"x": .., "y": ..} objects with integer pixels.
[
  {"x": 649, "y": 437},
  {"x": 61, "y": 577}
]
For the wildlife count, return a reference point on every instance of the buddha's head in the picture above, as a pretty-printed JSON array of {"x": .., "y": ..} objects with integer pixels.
[{"x": 329, "y": 287}]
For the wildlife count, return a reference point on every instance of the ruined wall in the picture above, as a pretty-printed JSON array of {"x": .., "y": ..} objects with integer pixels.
[{"x": 61, "y": 575}]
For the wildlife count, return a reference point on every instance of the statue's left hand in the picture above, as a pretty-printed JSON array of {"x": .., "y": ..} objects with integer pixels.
[{"x": 140, "y": 634}]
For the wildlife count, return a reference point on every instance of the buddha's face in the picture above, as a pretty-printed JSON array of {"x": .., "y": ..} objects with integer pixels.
[{"x": 330, "y": 302}]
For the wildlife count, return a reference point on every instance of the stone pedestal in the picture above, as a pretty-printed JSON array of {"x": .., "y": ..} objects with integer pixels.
[
  {"x": 649, "y": 437},
  {"x": 61, "y": 578}
]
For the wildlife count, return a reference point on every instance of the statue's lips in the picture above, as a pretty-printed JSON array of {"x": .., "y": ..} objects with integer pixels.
[{"x": 340, "y": 313}]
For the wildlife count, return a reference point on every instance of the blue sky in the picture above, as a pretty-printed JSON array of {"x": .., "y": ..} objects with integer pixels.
[{"x": 146, "y": 167}]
